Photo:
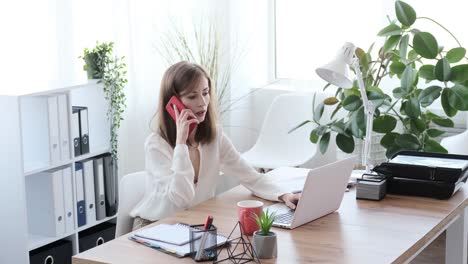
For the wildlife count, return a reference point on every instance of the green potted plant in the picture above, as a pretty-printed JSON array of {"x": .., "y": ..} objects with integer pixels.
[
  {"x": 100, "y": 63},
  {"x": 264, "y": 241},
  {"x": 425, "y": 71}
]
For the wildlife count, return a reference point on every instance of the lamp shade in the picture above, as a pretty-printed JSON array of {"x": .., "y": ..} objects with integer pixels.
[{"x": 337, "y": 72}]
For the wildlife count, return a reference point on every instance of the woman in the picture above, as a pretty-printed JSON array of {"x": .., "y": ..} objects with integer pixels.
[{"x": 184, "y": 169}]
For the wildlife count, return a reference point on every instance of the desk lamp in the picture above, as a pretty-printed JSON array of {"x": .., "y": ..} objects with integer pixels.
[{"x": 337, "y": 73}]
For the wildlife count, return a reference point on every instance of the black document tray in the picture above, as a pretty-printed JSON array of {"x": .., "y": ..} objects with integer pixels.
[{"x": 421, "y": 180}]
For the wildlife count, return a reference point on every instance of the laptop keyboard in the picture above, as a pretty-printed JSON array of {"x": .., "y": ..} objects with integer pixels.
[{"x": 285, "y": 218}]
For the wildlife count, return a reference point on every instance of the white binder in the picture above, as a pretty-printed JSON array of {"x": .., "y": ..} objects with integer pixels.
[
  {"x": 90, "y": 198},
  {"x": 54, "y": 137},
  {"x": 45, "y": 204},
  {"x": 63, "y": 127},
  {"x": 68, "y": 200}
]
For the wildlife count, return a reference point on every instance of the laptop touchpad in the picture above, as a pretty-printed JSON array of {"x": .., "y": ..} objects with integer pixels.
[{"x": 278, "y": 208}]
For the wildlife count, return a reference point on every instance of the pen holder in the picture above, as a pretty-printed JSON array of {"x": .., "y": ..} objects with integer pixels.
[{"x": 203, "y": 243}]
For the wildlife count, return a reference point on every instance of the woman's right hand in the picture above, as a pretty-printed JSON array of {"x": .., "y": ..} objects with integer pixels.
[{"x": 183, "y": 123}]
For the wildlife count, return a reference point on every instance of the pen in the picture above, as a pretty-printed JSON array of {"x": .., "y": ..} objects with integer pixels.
[{"x": 209, "y": 221}]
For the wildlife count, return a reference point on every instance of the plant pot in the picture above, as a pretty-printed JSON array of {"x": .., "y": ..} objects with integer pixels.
[{"x": 265, "y": 246}]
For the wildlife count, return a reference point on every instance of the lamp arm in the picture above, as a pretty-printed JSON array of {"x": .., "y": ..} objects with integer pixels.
[{"x": 369, "y": 109}]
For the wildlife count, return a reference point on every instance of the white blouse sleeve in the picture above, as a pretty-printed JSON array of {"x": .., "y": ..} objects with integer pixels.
[
  {"x": 171, "y": 177},
  {"x": 232, "y": 163}
]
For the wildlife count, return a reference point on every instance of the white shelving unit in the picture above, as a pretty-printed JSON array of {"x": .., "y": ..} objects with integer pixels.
[{"x": 24, "y": 153}]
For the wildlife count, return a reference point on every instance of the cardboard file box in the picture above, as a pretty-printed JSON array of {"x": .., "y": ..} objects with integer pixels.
[
  {"x": 57, "y": 252},
  {"x": 96, "y": 236}
]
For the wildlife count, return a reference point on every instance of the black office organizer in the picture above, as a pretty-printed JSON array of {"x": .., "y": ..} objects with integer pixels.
[
  {"x": 428, "y": 181},
  {"x": 246, "y": 253},
  {"x": 203, "y": 243}
]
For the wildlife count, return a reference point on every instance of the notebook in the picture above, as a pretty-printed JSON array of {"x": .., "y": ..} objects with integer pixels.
[
  {"x": 182, "y": 231},
  {"x": 176, "y": 234}
]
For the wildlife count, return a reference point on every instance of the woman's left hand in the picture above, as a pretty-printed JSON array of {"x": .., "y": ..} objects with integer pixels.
[{"x": 290, "y": 199}]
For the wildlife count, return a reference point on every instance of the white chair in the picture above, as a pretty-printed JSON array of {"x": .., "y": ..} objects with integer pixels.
[
  {"x": 276, "y": 148},
  {"x": 131, "y": 191},
  {"x": 457, "y": 144}
]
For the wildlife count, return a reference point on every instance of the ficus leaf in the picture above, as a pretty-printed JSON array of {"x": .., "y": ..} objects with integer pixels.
[
  {"x": 384, "y": 124},
  {"x": 405, "y": 13},
  {"x": 427, "y": 72},
  {"x": 425, "y": 45},
  {"x": 456, "y": 54},
  {"x": 442, "y": 70},
  {"x": 428, "y": 95},
  {"x": 324, "y": 141},
  {"x": 445, "y": 101},
  {"x": 345, "y": 143}
]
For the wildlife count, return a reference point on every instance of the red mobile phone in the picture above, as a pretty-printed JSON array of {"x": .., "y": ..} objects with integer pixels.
[{"x": 180, "y": 106}]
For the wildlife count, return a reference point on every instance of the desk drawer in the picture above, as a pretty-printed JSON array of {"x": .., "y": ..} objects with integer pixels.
[
  {"x": 96, "y": 236},
  {"x": 54, "y": 253}
]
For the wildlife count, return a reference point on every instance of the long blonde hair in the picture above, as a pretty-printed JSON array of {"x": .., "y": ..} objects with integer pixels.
[{"x": 177, "y": 79}]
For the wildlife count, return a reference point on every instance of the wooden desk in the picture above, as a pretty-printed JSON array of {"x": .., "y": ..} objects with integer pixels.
[{"x": 393, "y": 230}]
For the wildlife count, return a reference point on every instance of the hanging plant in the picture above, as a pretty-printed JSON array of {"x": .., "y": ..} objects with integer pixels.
[{"x": 100, "y": 63}]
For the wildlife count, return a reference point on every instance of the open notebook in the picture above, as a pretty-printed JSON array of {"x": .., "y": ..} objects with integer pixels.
[{"x": 171, "y": 239}]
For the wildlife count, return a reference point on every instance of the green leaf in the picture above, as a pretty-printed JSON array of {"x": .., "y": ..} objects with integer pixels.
[
  {"x": 427, "y": 72},
  {"x": 408, "y": 141},
  {"x": 403, "y": 47},
  {"x": 314, "y": 136},
  {"x": 390, "y": 30},
  {"x": 397, "y": 67},
  {"x": 330, "y": 101},
  {"x": 444, "y": 122},
  {"x": 399, "y": 93},
  {"x": 389, "y": 139},
  {"x": 459, "y": 73},
  {"x": 392, "y": 150},
  {"x": 456, "y": 54},
  {"x": 458, "y": 97},
  {"x": 407, "y": 78},
  {"x": 345, "y": 143},
  {"x": 405, "y": 13},
  {"x": 324, "y": 140},
  {"x": 391, "y": 42},
  {"x": 442, "y": 70},
  {"x": 433, "y": 132},
  {"x": 377, "y": 98},
  {"x": 361, "y": 119},
  {"x": 448, "y": 109},
  {"x": 354, "y": 123},
  {"x": 384, "y": 124},
  {"x": 425, "y": 45},
  {"x": 417, "y": 126},
  {"x": 432, "y": 146},
  {"x": 412, "y": 108},
  {"x": 352, "y": 103},
  {"x": 428, "y": 95},
  {"x": 318, "y": 112},
  {"x": 338, "y": 127},
  {"x": 298, "y": 126}
]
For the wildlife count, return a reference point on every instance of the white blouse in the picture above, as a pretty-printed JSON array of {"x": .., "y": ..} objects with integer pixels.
[{"x": 169, "y": 184}]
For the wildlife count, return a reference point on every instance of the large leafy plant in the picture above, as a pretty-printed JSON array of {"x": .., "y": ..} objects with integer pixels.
[
  {"x": 426, "y": 71},
  {"x": 102, "y": 64}
]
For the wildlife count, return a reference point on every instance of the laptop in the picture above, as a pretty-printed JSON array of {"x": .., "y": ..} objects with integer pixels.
[{"x": 322, "y": 194}]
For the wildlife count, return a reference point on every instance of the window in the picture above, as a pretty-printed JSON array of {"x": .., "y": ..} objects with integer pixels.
[{"x": 309, "y": 33}]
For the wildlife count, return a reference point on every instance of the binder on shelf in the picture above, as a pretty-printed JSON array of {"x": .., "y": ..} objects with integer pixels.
[
  {"x": 90, "y": 198},
  {"x": 68, "y": 200},
  {"x": 111, "y": 188},
  {"x": 83, "y": 128},
  {"x": 99, "y": 188},
  {"x": 80, "y": 197},
  {"x": 63, "y": 127},
  {"x": 75, "y": 127},
  {"x": 54, "y": 137},
  {"x": 45, "y": 204}
]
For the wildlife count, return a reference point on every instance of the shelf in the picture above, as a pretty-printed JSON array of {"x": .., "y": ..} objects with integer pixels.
[
  {"x": 37, "y": 241},
  {"x": 96, "y": 223},
  {"x": 40, "y": 167},
  {"x": 92, "y": 154}
]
